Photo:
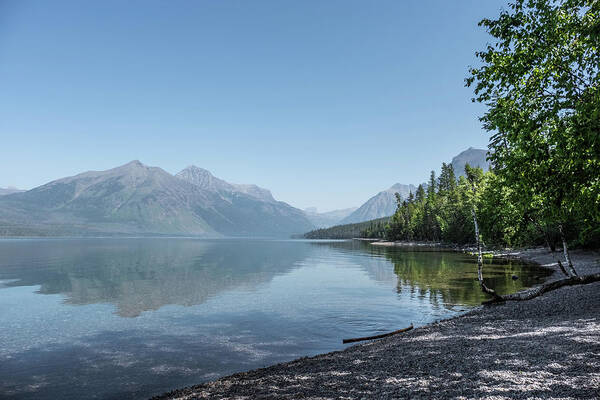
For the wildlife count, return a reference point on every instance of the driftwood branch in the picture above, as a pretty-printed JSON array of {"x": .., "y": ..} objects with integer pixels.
[
  {"x": 548, "y": 287},
  {"x": 562, "y": 268},
  {"x": 377, "y": 336}
]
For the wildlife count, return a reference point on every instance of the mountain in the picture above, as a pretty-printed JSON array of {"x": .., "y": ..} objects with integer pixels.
[
  {"x": 9, "y": 190},
  {"x": 327, "y": 219},
  {"x": 130, "y": 199},
  {"x": 247, "y": 209},
  {"x": 383, "y": 204},
  {"x": 137, "y": 199},
  {"x": 473, "y": 157}
]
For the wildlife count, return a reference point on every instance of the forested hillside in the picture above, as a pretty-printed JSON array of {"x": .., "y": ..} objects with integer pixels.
[
  {"x": 369, "y": 229},
  {"x": 444, "y": 212}
]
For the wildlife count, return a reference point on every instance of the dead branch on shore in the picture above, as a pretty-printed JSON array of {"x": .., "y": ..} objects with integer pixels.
[
  {"x": 548, "y": 287},
  {"x": 377, "y": 336}
]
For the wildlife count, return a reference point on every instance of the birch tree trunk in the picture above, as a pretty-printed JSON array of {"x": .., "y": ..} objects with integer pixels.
[
  {"x": 484, "y": 288},
  {"x": 566, "y": 252}
]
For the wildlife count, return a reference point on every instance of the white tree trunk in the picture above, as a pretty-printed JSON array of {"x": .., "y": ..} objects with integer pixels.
[
  {"x": 547, "y": 240},
  {"x": 572, "y": 271},
  {"x": 484, "y": 288}
]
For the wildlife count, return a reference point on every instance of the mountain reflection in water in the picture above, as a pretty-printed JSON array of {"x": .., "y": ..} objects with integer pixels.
[{"x": 146, "y": 274}]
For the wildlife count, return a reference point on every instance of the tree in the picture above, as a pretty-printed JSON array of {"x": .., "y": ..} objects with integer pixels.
[
  {"x": 540, "y": 82},
  {"x": 431, "y": 186},
  {"x": 420, "y": 194},
  {"x": 475, "y": 178},
  {"x": 447, "y": 179}
]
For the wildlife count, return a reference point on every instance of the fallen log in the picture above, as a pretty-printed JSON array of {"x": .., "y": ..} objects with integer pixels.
[
  {"x": 377, "y": 336},
  {"x": 548, "y": 287}
]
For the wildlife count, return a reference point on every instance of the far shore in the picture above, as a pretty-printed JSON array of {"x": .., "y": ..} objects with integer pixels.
[
  {"x": 436, "y": 245},
  {"x": 546, "y": 347},
  {"x": 525, "y": 254}
]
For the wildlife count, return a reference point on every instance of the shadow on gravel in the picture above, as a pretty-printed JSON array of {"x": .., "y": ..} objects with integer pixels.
[{"x": 548, "y": 347}]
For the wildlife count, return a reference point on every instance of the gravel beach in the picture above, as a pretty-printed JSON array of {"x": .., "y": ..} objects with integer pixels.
[{"x": 548, "y": 348}]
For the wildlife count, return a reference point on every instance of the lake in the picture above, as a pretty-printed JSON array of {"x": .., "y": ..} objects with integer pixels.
[{"x": 115, "y": 318}]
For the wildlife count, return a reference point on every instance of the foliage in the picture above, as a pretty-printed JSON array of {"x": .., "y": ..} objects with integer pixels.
[
  {"x": 540, "y": 82},
  {"x": 444, "y": 214}
]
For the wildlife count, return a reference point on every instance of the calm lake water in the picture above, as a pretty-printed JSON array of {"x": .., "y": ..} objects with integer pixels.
[{"x": 131, "y": 318}]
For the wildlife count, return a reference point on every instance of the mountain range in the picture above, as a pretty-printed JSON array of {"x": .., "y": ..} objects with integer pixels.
[
  {"x": 135, "y": 199},
  {"x": 383, "y": 204},
  {"x": 329, "y": 218}
]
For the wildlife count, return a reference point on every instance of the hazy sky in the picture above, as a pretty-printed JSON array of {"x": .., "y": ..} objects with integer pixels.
[{"x": 323, "y": 102}]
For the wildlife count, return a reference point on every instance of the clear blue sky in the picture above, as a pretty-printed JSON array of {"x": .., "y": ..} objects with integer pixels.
[{"x": 325, "y": 103}]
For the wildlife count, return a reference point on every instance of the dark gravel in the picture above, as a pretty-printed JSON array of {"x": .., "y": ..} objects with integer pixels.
[{"x": 548, "y": 347}]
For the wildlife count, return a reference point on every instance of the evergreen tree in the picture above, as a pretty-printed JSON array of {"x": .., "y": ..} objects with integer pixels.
[{"x": 420, "y": 194}]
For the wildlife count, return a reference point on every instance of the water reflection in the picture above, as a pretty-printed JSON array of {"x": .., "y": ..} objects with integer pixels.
[
  {"x": 145, "y": 274},
  {"x": 451, "y": 278},
  {"x": 443, "y": 277}
]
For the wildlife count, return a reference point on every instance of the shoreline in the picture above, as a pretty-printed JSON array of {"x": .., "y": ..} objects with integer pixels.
[
  {"x": 532, "y": 255},
  {"x": 488, "y": 352}
]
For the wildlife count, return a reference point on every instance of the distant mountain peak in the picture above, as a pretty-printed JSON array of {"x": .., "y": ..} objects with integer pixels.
[
  {"x": 472, "y": 156},
  {"x": 204, "y": 179},
  {"x": 383, "y": 204},
  {"x": 328, "y": 218},
  {"x": 134, "y": 164},
  {"x": 207, "y": 181},
  {"x": 135, "y": 167},
  {"x": 196, "y": 170},
  {"x": 255, "y": 191},
  {"x": 402, "y": 189},
  {"x": 198, "y": 176}
]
